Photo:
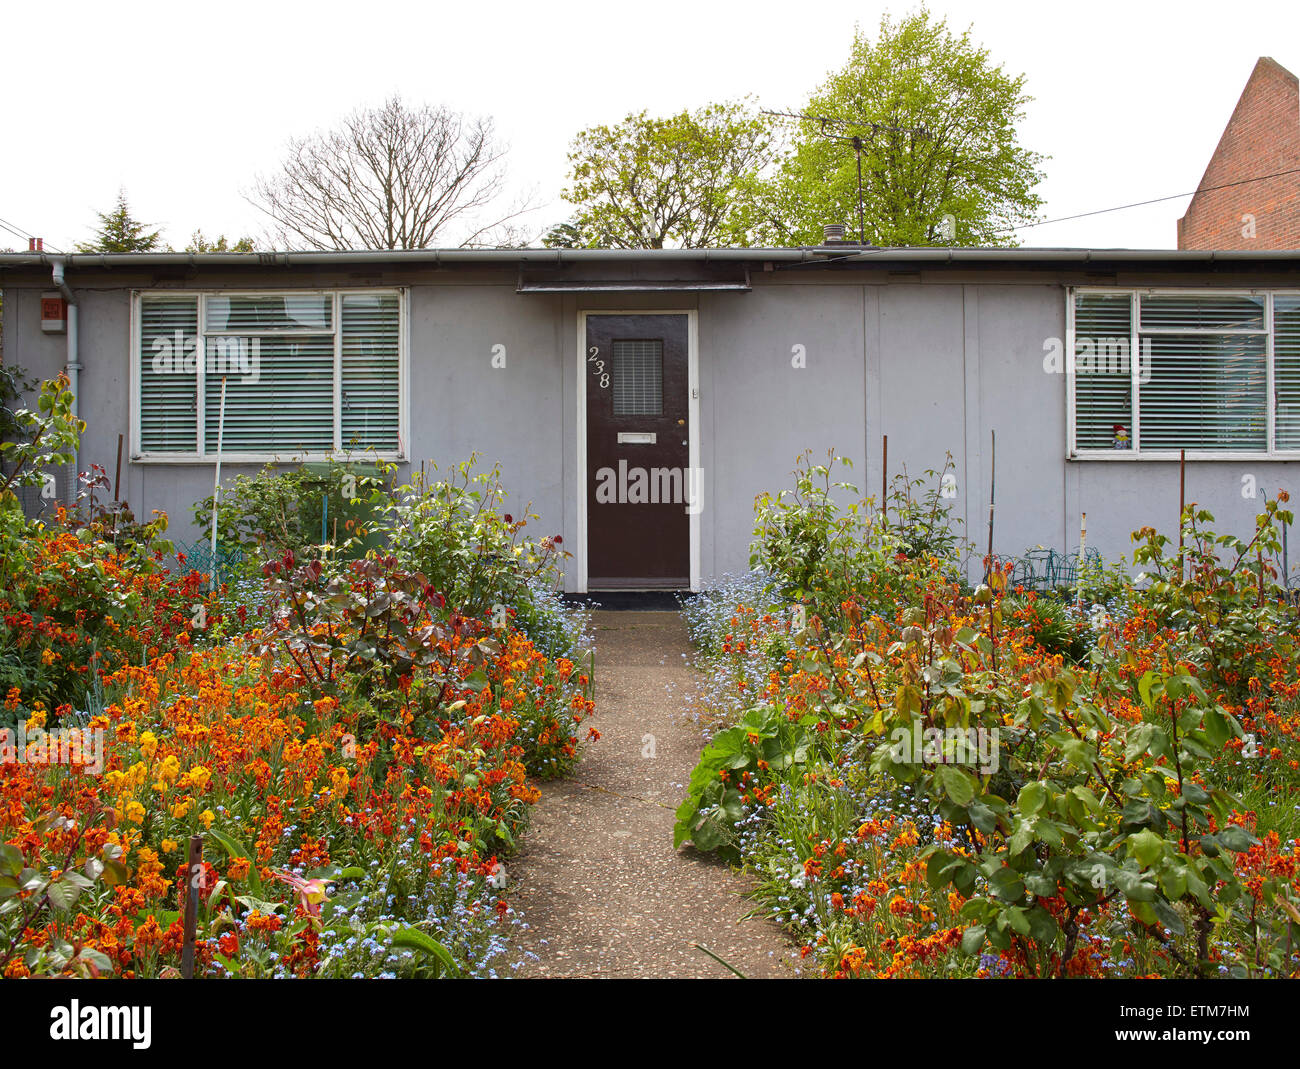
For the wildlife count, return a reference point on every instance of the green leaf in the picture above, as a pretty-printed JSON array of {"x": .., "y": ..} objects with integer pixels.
[
  {"x": 11, "y": 860},
  {"x": 1040, "y": 886},
  {"x": 1218, "y": 728},
  {"x": 1132, "y": 886},
  {"x": 1032, "y": 798},
  {"x": 1236, "y": 838},
  {"x": 97, "y": 958},
  {"x": 1018, "y": 919},
  {"x": 234, "y": 848},
  {"x": 1145, "y": 685},
  {"x": 1147, "y": 847},
  {"x": 63, "y": 892},
  {"x": 1021, "y": 837},
  {"x": 1007, "y": 885},
  {"x": 955, "y": 783},
  {"x": 1042, "y": 926},
  {"x": 415, "y": 939},
  {"x": 983, "y": 817},
  {"x": 972, "y": 939},
  {"x": 940, "y": 868}
]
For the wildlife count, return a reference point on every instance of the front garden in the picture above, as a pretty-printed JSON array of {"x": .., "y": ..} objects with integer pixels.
[
  {"x": 927, "y": 777},
  {"x": 351, "y": 724},
  {"x": 934, "y": 779}
]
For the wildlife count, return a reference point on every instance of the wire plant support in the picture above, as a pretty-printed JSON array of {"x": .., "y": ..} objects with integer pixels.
[{"x": 216, "y": 484}]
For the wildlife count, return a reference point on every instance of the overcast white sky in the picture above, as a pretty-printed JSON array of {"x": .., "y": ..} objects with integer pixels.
[{"x": 183, "y": 104}]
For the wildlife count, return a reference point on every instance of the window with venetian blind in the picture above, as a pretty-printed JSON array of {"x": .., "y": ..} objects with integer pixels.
[
  {"x": 306, "y": 374},
  {"x": 1158, "y": 372}
]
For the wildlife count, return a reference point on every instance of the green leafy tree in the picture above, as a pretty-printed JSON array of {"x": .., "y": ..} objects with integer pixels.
[
  {"x": 565, "y": 235},
  {"x": 198, "y": 243},
  {"x": 120, "y": 232},
  {"x": 942, "y": 163},
  {"x": 684, "y": 180}
]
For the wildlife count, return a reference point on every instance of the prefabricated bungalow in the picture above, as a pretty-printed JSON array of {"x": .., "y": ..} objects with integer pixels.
[{"x": 642, "y": 399}]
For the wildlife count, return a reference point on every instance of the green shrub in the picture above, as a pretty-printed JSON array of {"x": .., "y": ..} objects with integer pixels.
[
  {"x": 276, "y": 512},
  {"x": 824, "y": 554},
  {"x": 454, "y": 531}
]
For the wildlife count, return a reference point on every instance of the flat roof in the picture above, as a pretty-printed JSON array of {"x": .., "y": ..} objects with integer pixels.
[{"x": 826, "y": 254}]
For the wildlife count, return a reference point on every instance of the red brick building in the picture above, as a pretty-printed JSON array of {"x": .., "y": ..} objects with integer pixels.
[{"x": 1261, "y": 138}]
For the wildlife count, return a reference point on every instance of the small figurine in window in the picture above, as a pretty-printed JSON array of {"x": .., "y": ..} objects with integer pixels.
[{"x": 1121, "y": 436}]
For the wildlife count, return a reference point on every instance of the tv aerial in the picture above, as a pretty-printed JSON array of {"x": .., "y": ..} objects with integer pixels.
[{"x": 843, "y": 131}]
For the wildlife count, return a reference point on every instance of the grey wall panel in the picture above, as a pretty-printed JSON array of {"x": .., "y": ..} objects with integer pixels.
[
  {"x": 766, "y": 411},
  {"x": 922, "y": 339},
  {"x": 514, "y": 415},
  {"x": 1025, "y": 406}
]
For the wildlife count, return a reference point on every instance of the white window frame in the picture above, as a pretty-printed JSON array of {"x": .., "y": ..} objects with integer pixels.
[
  {"x": 1136, "y": 454},
  {"x": 201, "y": 455}
]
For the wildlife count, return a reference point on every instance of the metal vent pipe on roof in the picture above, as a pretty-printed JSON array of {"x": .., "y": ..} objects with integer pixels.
[{"x": 833, "y": 233}]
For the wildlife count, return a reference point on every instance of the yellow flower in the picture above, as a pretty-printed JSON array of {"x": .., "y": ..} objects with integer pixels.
[
  {"x": 168, "y": 845},
  {"x": 179, "y": 809},
  {"x": 48, "y": 656},
  {"x": 36, "y": 720},
  {"x": 207, "y": 817},
  {"x": 199, "y": 777},
  {"x": 148, "y": 744},
  {"x": 135, "y": 812},
  {"x": 136, "y": 775},
  {"x": 171, "y": 768}
]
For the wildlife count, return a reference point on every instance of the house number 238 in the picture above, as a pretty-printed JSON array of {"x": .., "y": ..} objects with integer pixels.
[{"x": 593, "y": 357}]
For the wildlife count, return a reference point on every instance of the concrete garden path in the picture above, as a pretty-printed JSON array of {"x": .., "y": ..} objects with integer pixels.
[{"x": 601, "y": 888}]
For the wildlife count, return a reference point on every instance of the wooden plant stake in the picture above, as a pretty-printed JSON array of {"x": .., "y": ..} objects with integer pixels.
[
  {"x": 216, "y": 486},
  {"x": 193, "y": 868},
  {"x": 884, "y": 479},
  {"x": 993, "y": 493}
]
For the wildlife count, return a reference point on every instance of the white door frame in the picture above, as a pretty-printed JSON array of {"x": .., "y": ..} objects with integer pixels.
[{"x": 692, "y": 429}]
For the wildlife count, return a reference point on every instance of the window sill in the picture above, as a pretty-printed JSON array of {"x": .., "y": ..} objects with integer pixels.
[
  {"x": 192, "y": 460},
  {"x": 1128, "y": 456}
]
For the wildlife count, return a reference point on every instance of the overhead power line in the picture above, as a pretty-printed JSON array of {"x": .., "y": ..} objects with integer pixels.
[
  {"x": 19, "y": 232},
  {"x": 1156, "y": 200},
  {"x": 1144, "y": 203}
]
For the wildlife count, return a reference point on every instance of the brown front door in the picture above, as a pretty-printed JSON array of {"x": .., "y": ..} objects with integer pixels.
[{"x": 640, "y": 492}]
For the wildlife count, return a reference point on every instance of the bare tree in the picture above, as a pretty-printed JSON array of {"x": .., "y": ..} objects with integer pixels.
[{"x": 392, "y": 177}]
